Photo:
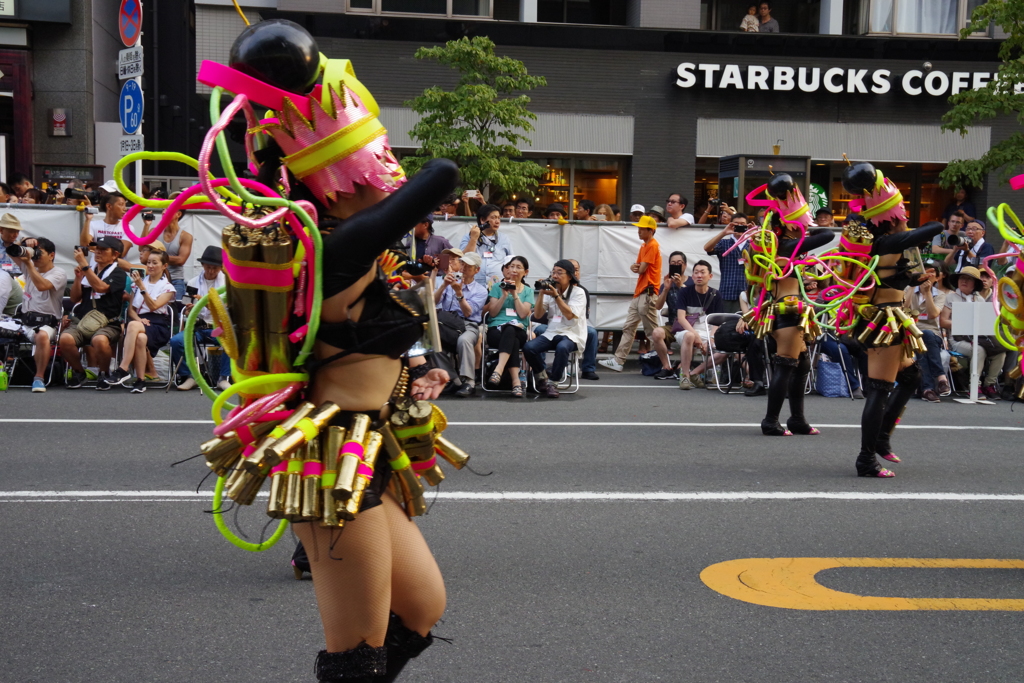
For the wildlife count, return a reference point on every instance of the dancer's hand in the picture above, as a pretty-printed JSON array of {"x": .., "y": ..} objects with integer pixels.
[{"x": 429, "y": 386}]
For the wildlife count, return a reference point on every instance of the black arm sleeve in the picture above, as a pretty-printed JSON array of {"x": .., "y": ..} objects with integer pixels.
[
  {"x": 818, "y": 237},
  {"x": 350, "y": 250},
  {"x": 901, "y": 241}
]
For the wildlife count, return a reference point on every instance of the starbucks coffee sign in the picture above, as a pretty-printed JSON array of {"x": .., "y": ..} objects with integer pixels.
[{"x": 834, "y": 80}]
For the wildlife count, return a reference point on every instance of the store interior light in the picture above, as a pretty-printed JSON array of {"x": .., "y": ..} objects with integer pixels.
[{"x": 901, "y": 165}]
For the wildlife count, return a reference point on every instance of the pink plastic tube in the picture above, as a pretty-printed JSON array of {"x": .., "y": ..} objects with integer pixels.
[{"x": 251, "y": 412}]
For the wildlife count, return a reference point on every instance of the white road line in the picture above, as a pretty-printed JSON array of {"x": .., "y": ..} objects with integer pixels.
[
  {"x": 507, "y": 424},
  {"x": 525, "y": 496}
]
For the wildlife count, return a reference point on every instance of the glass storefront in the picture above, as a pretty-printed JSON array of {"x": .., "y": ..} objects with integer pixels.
[{"x": 568, "y": 180}]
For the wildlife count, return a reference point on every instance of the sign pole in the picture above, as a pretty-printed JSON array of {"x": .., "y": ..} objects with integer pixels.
[{"x": 974, "y": 355}]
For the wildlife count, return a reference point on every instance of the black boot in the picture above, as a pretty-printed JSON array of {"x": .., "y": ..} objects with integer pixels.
[
  {"x": 908, "y": 380},
  {"x": 362, "y": 664},
  {"x": 300, "y": 561},
  {"x": 797, "y": 423},
  {"x": 777, "y": 393},
  {"x": 876, "y": 395},
  {"x": 403, "y": 644}
]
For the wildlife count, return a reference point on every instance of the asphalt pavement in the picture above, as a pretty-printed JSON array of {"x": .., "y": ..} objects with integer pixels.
[{"x": 578, "y": 559}]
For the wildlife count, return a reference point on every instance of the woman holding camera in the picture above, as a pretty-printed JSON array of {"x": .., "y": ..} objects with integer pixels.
[
  {"x": 149, "y": 320},
  {"x": 509, "y": 306}
]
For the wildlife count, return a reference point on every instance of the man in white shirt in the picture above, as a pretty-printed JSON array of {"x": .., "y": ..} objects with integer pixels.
[
  {"x": 675, "y": 208},
  {"x": 43, "y": 303},
  {"x": 108, "y": 225},
  {"x": 565, "y": 304},
  {"x": 968, "y": 290},
  {"x": 212, "y": 261}
]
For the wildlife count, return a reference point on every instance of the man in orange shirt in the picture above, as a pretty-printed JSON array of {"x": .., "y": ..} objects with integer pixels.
[{"x": 641, "y": 308}]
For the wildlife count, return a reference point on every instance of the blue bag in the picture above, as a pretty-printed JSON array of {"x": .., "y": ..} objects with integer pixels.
[{"x": 830, "y": 381}]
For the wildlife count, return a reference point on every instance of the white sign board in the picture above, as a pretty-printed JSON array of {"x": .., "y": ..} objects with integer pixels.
[
  {"x": 970, "y": 318},
  {"x": 131, "y": 144},
  {"x": 6, "y": 8},
  {"x": 129, "y": 62}
]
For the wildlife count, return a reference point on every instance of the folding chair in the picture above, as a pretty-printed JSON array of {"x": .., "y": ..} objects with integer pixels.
[
  {"x": 489, "y": 354},
  {"x": 14, "y": 356},
  {"x": 569, "y": 382},
  {"x": 715, "y": 320},
  {"x": 202, "y": 351}
]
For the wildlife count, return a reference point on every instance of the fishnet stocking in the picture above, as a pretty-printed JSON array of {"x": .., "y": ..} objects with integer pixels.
[{"x": 379, "y": 563}]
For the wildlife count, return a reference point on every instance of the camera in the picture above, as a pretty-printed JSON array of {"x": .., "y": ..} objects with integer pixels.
[
  {"x": 546, "y": 283},
  {"x": 52, "y": 189},
  {"x": 715, "y": 201},
  {"x": 506, "y": 285},
  {"x": 416, "y": 268},
  {"x": 954, "y": 241},
  {"x": 148, "y": 216},
  {"x": 75, "y": 193},
  {"x": 17, "y": 251},
  {"x": 457, "y": 276},
  {"x": 191, "y": 291}
]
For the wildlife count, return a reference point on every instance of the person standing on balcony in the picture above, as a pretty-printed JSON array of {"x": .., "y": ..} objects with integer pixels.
[{"x": 768, "y": 25}]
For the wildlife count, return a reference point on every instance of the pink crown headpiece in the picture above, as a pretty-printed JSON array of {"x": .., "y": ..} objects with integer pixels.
[
  {"x": 332, "y": 138},
  {"x": 883, "y": 203},
  {"x": 792, "y": 208}
]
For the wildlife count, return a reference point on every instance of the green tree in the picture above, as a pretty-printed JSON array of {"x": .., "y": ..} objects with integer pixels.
[
  {"x": 481, "y": 124},
  {"x": 999, "y": 97}
]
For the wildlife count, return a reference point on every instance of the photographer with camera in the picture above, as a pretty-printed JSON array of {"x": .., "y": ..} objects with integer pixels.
[
  {"x": 509, "y": 306},
  {"x": 429, "y": 246},
  {"x": 114, "y": 207},
  {"x": 945, "y": 241},
  {"x": 494, "y": 247},
  {"x": 212, "y": 277},
  {"x": 460, "y": 301},
  {"x": 734, "y": 278},
  {"x": 99, "y": 292},
  {"x": 42, "y": 307},
  {"x": 969, "y": 249},
  {"x": 717, "y": 213},
  {"x": 177, "y": 244},
  {"x": 10, "y": 230},
  {"x": 564, "y": 303}
]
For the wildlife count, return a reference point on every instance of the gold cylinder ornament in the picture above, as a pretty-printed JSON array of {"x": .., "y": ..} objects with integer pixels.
[
  {"x": 300, "y": 433},
  {"x": 260, "y": 460}
]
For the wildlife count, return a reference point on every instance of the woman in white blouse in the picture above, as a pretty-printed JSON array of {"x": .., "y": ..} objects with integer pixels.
[{"x": 149, "y": 324}]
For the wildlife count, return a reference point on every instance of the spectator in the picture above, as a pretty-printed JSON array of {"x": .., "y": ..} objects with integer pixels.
[
  {"x": 768, "y": 25},
  {"x": 960, "y": 202},
  {"x": 695, "y": 303},
  {"x": 42, "y": 307},
  {"x": 657, "y": 213},
  {"x": 508, "y": 210},
  {"x": 971, "y": 250},
  {"x": 555, "y": 212},
  {"x": 524, "y": 209},
  {"x": 509, "y": 306},
  {"x": 677, "y": 216},
  {"x": 146, "y": 249},
  {"x": 616, "y": 211},
  {"x": 641, "y": 308},
  {"x": 460, "y": 295},
  {"x": 178, "y": 246},
  {"x": 636, "y": 212},
  {"x": 34, "y": 196},
  {"x": 585, "y": 210},
  {"x": 11, "y": 295},
  {"x": 823, "y": 218},
  {"x": 114, "y": 206},
  {"x": 494, "y": 248},
  {"x": 968, "y": 289},
  {"x": 564, "y": 304},
  {"x": 925, "y": 303},
  {"x": 830, "y": 346},
  {"x": 954, "y": 224},
  {"x": 604, "y": 210},
  {"x": 10, "y": 230},
  {"x": 721, "y": 212},
  {"x": 448, "y": 207},
  {"x": 734, "y": 277},
  {"x": 588, "y": 364},
  {"x": 7, "y": 195},
  {"x": 212, "y": 262},
  {"x": 100, "y": 300},
  {"x": 21, "y": 184},
  {"x": 661, "y": 336},
  {"x": 149, "y": 320},
  {"x": 750, "y": 23},
  {"x": 429, "y": 246}
]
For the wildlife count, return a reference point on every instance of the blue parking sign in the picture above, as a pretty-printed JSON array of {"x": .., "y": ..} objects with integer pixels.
[{"x": 130, "y": 107}]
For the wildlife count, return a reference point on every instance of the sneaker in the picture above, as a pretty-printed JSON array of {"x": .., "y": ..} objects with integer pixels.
[
  {"x": 697, "y": 381},
  {"x": 91, "y": 374},
  {"x": 120, "y": 376},
  {"x": 75, "y": 379},
  {"x": 943, "y": 387},
  {"x": 38, "y": 386},
  {"x": 102, "y": 383},
  {"x": 930, "y": 396},
  {"x": 665, "y": 373},
  {"x": 188, "y": 385},
  {"x": 591, "y": 375},
  {"x": 139, "y": 387},
  {"x": 223, "y": 385},
  {"x": 611, "y": 364},
  {"x": 858, "y": 394},
  {"x": 465, "y": 390},
  {"x": 685, "y": 384},
  {"x": 991, "y": 393}
]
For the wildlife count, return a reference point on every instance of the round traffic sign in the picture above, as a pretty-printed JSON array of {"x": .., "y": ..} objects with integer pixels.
[
  {"x": 129, "y": 21},
  {"x": 130, "y": 107}
]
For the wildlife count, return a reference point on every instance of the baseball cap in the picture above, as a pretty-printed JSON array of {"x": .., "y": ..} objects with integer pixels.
[
  {"x": 109, "y": 186},
  {"x": 637, "y": 208},
  {"x": 647, "y": 222},
  {"x": 472, "y": 259},
  {"x": 108, "y": 242}
]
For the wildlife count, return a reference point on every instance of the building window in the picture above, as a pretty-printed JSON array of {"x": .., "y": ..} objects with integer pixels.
[
  {"x": 570, "y": 180},
  {"x": 796, "y": 16},
  {"x": 444, "y": 8},
  {"x": 603, "y": 12},
  {"x": 929, "y": 17}
]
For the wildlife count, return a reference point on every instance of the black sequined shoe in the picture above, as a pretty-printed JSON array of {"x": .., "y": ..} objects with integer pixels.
[
  {"x": 402, "y": 644},
  {"x": 362, "y": 664}
]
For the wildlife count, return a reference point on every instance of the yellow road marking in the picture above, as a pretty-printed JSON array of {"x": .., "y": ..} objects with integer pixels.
[{"x": 789, "y": 583}]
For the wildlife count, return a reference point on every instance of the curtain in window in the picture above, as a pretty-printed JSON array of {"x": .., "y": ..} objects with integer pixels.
[
  {"x": 926, "y": 16},
  {"x": 881, "y": 16}
]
